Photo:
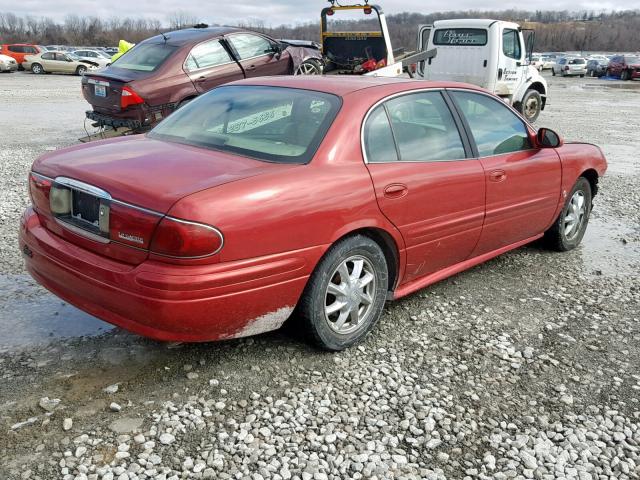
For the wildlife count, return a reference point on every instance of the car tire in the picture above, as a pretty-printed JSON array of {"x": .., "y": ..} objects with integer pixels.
[
  {"x": 37, "y": 69},
  {"x": 566, "y": 233},
  {"x": 309, "y": 67},
  {"x": 553, "y": 72},
  {"x": 624, "y": 75},
  {"x": 337, "y": 280},
  {"x": 531, "y": 105},
  {"x": 581, "y": 76},
  {"x": 81, "y": 70}
]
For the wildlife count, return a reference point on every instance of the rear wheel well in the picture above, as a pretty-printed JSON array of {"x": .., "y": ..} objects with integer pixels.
[
  {"x": 592, "y": 176},
  {"x": 389, "y": 248}
]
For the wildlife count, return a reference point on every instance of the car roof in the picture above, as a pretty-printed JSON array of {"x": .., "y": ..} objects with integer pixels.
[
  {"x": 192, "y": 35},
  {"x": 343, "y": 85}
]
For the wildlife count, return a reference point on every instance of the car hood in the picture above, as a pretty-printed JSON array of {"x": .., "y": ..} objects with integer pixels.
[{"x": 149, "y": 173}]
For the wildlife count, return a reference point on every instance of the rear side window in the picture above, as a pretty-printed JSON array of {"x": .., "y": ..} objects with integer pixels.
[
  {"x": 424, "y": 129},
  {"x": 511, "y": 43},
  {"x": 495, "y": 128},
  {"x": 16, "y": 49},
  {"x": 145, "y": 57},
  {"x": 460, "y": 36},
  {"x": 281, "y": 125},
  {"x": 48, "y": 56},
  {"x": 378, "y": 139},
  {"x": 206, "y": 55},
  {"x": 249, "y": 46}
]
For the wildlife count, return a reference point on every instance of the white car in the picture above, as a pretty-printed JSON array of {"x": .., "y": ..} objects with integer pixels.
[
  {"x": 8, "y": 64},
  {"x": 102, "y": 59},
  {"x": 537, "y": 63}
]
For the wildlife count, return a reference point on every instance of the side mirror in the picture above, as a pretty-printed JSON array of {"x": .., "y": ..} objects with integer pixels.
[
  {"x": 547, "y": 138},
  {"x": 276, "y": 48}
]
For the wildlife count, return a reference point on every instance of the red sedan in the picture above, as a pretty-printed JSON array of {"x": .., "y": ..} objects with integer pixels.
[{"x": 326, "y": 196}]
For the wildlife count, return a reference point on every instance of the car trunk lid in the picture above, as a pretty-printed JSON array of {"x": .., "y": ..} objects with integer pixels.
[
  {"x": 103, "y": 90},
  {"x": 109, "y": 197}
]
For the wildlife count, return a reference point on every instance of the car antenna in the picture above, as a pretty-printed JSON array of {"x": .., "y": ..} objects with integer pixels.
[{"x": 165, "y": 37}]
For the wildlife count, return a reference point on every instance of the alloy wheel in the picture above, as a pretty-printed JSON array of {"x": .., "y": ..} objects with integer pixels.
[
  {"x": 306, "y": 68},
  {"x": 575, "y": 215},
  {"x": 350, "y": 295}
]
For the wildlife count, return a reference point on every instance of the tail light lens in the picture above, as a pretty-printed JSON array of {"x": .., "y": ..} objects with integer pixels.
[
  {"x": 40, "y": 191},
  {"x": 566, "y": 68},
  {"x": 368, "y": 10},
  {"x": 131, "y": 226},
  {"x": 129, "y": 97},
  {"x": 330, "y": 12},
  {"x": 182, "y": 239}
]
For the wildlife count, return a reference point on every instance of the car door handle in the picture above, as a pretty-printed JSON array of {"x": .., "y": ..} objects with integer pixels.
[
  {"x": 201, "y": 79},
  {"x": 395, "y": 190},
  {"x": 250, "y": 68},
  {"x": 498, "y": 176}
]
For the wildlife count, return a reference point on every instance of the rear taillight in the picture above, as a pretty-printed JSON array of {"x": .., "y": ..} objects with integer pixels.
[
  {"x": 129, "y": 97},
  {"x": 566, "y": 68},
  {"x": 131, "y": 226},
  {"x": 182, "y": 239},
  {"x": 40, "y": 191}
]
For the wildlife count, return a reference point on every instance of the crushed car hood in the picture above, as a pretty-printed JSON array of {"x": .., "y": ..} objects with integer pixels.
[{"x": 150, "y": 173}]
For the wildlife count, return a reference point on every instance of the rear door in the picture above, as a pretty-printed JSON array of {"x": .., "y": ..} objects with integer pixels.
[
  {"x": 424, "y": 180},
  {"x": 209, "y": 65},
  {"x": 258, "y": 56},
  {"x": 522, "y": 182}
]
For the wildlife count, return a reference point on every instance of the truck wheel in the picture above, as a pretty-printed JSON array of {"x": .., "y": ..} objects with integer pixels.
[
  {"x": 531, "y": 105},
  {"x": 37, "y": 68},
  {"x": 309, "y": 67}
]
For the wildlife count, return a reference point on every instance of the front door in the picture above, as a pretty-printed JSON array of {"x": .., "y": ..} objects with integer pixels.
[
  {"x": 209, "y": 65},
  {"x": 424, "y": 181},
  {"x": 522, "y": 182},
  {"x": 258, "y": 55},
  {"x": 511, "y": 64}
]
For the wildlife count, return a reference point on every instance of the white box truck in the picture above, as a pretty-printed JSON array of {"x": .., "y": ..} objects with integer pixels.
[{"x": 489, "y": 53}]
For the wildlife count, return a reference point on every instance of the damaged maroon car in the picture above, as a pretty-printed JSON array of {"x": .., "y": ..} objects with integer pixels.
[{"x": 164, "y": 72}]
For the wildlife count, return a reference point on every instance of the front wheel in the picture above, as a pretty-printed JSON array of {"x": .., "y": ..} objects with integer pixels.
[
  {"x": 569, "y": 228},
  {"x": 81, "y": 70},
  {"x": 309, "y": 67},
  {"x": 531, "y": 105},
  {"x": 346, "y": 294}
]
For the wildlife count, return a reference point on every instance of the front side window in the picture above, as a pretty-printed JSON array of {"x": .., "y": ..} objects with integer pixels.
[
  {"x": 511, "y": 43},
  {"x": 206, "y": 55},
  {"x": 424, "y": 128},
  {"x": 249, "y": 46},
  {"x": 378, "y": 139},
  {"x": 495, "y": 128},
  {"x": 145, "y": 57},
  {"x": 281, "y": 125}
]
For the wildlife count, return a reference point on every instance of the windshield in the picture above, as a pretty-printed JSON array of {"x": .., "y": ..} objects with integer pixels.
[
  {"x": 275, "y": 124},
  {"x": 145, "y": 57}
]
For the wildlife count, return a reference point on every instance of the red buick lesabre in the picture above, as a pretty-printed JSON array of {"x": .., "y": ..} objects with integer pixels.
[{"x": 326, "y": 196}]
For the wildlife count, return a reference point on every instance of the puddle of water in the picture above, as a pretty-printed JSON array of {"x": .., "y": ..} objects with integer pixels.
[
  {"x": 604, "y": 251},
  {"x": 29, "y": 316},
  {"x": 622, "y": 159}
]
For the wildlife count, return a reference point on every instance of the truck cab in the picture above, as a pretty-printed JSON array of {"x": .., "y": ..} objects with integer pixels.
[{"x": 492, "y": 54}]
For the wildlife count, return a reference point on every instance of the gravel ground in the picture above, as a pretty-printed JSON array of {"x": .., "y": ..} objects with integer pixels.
[{"x": 524, "y": 367}]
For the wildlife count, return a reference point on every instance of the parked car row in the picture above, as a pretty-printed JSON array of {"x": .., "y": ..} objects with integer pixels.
[
  {"x": 625, "y": 66},
  {"x": 98, "y": 56}
]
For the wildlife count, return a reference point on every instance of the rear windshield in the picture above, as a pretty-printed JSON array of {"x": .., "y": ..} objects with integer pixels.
[
  {"x": 145, "y": 57},
  {"x": 274, "y": 124},
  {"x": 460, "y": 36},
  {"x": 577, "y": 61}
]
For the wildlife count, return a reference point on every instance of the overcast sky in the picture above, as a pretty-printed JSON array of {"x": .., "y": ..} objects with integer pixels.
[{"x": 276, "y": 12}]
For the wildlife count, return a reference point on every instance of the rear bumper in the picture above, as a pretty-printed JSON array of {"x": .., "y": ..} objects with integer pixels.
[
  {"x": 103, "y": 120},
  {"x": 169, "y": 302}
]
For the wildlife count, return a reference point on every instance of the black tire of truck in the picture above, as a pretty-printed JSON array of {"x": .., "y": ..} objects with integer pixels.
[{"x": 531, "y": 105}]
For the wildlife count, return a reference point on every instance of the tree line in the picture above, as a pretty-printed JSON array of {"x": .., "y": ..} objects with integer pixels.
[{"x": 555, "y": 30}]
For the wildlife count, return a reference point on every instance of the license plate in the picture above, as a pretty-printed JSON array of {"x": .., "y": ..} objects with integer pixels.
[{"x": 100, "y": 90}]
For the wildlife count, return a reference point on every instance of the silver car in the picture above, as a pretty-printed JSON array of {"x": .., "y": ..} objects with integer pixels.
[
  {"x": 101, "y": 58},
  {"x": 570, "y": 66},
  {"x": 8, "y": 64}
]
